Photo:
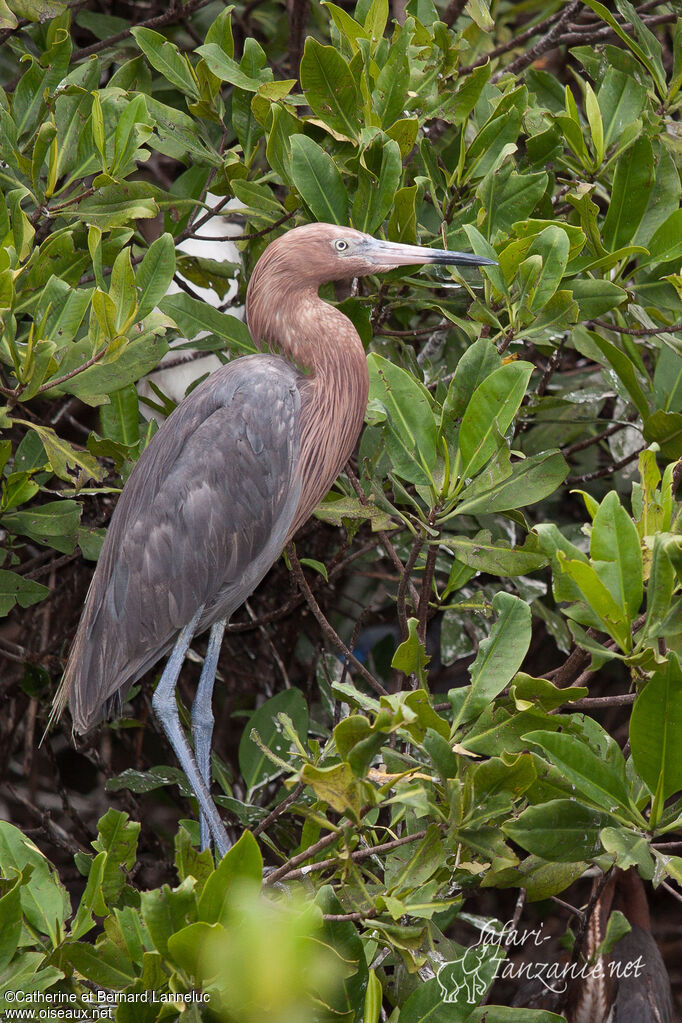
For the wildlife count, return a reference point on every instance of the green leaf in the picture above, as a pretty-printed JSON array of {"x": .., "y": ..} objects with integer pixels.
[
  {"x": 255, "y": 766},
  {"x": 64, "y": 306},
  {"x": 477, "y": 363},
  {"x": 227, "y": 70},
  {"x": 98, "y": 965},
  {"x": 54, "y": 524},
  {"x": 14, "y": 589},
  {"x": 596, "y": 296},
  {"x": 410, "y": 424},
  {"x": 155, "y": 273},
  {"x": 133, "y": 129},
  {"x": 193, "y": 316},
  {"x": 120, "y": 418},
  {"x": 665, "y": 428},
  {"x": 629, "y": 849},
  {"x": 411, "y": 656},
  {"x": 166, "y": 59},
  {"x": 166, "y": 911},
  {"x": 530, "y": 481},
  {"x": 63, "y": 457},
  {"x": 632, "y": 186},
  {"x": 510, "y": 197},
  {"x": 490, "y": 412},
  {"x": 656, "y": 730},
  {"x": 116, "y": 205},
  {"x": 336, "y": 786},
  {"x": 666, "y": 243},
  {"x": 562, "y": 830},
  {"x": 599, "y": 599},
  {"x": 334, "y": 509},
  {"x": 378, "y": 180},
  {"x": 330, "y": 88},
  {"x": 117, "y": 837},
  {"x": 552, "y": 245},
  {"x": 625, "y": 370},
  {"x": 621, "y": 101},
  {"x": 318, "y": 181},
  {"x": 601, "y": 781},
  {"x": 242, "y": 863},
  {"x": 499, "y": 656},
  {"x": 44, "y": 901},
  {"x": 650, "y": 60},
  {"x": 617, "y": 555},
  {"x": 595, "y": 122},
  {"x": 495, "y": 558}
]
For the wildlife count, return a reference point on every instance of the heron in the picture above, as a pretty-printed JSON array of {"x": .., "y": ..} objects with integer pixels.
[{"x": 223, "y": 486}]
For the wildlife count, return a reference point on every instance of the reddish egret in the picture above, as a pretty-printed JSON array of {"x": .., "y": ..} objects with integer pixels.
[{"x": 223, "y": 486}]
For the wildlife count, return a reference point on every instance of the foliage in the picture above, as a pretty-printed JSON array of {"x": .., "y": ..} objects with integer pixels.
[{"x": 491, "y": 395}]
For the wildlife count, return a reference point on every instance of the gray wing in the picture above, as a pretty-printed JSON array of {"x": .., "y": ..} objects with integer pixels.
[{"x": 204, "y": 515}]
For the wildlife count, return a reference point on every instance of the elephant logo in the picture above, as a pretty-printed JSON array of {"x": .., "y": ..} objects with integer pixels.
[{"x": 463, "y": 974}]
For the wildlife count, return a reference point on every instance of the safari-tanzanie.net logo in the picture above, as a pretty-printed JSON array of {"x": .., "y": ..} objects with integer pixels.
[{"x": 466, "y": 979}]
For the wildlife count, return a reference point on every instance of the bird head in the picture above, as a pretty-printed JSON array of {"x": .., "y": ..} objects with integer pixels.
[{"x": 327, "y": 252}]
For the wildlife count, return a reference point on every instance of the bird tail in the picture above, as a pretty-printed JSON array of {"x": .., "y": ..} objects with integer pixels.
[{"x": 61, "y": 697}]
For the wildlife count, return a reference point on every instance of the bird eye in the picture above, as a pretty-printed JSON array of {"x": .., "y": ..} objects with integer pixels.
[{"x": 340, "y": 245}]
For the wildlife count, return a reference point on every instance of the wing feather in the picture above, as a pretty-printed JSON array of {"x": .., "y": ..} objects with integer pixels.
[{"x": 204, "y": 515}]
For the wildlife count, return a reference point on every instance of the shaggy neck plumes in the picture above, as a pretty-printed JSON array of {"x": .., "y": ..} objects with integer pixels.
[{"x": 296, "y": 324}]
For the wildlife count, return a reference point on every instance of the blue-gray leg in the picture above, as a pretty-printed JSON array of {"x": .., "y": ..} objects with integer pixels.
[
  {"x": 202, "y": 717},
  {"x": 166, "y": 710}
]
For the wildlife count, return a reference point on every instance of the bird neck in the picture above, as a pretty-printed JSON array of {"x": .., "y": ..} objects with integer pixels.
[
  {"x": 297, "y": 324},
  {"x": 326, "y": 347}
]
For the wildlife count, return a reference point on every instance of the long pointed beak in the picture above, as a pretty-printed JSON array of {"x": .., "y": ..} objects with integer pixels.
[{"x": 394, "y": 254}]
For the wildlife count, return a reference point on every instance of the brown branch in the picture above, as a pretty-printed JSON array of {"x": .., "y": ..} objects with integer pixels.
[
  {"x": 581, "y": 445},
  {"x": 173, "y": 14},
  {"x": 427, "y": 580},
  {"x": 577, "y": 37},
  {"x": 74, "y": 372},
  {"x": 327, "y": 629},
  {"x": 453, "y": 11},
  {"x": 354, "y": 918},
  {"x": 513, "y": 44},
  {"x": 551, "y": 368},
  {"x": 312, "y": 850},
  {"x": 403, "y": 585},
  {"x": 357, "y": 857},
  {"x": 549, "y": 41},
  {"x": 278, "y": 811},
  {"x": 590, "y": 702},
  {"x": 298, "y": 11},
  {"x": 598, "y": 473},
  {"x": 671, "y": 891},
  {"x": 636, "y": 332}
]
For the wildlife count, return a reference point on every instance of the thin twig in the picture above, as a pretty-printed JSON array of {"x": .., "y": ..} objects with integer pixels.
[
  {"x": 169, "y": 16},
  {"x": 549, "y": 41},
  {"x": 326, "y": 627},
  {"x": 403, "y": 585},
  {"x": 74, "y": 372},
  {"x": 581, "y": 445},
  {"x": 513, "y": 44},
  {"x": 590, "y": 702},
  {"x": 278, "y": 810},
  {"x": 383, "y": 536},
  {"x": 357, "y": 857},
  {"x": 636, "y": 331},
  {"x": 598, "y": 473},
  {"x": 312, "y": 850}
]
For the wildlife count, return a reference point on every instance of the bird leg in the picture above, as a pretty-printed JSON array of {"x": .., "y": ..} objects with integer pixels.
[
  {"x": 165, "y": 708},
  {"x": 202, "y": 717}
]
